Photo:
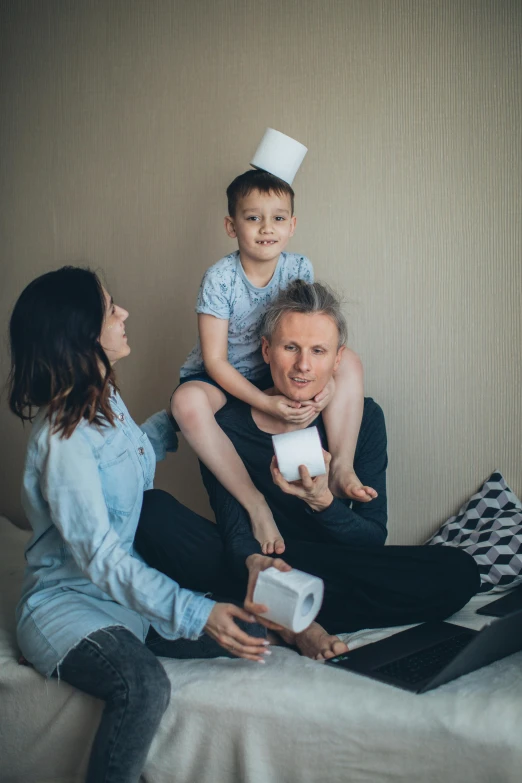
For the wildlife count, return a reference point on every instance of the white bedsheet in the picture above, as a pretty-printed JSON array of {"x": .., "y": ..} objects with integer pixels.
[{"x": 292, "y": 720}]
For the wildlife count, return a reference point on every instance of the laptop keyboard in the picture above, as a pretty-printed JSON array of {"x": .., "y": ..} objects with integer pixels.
[{"x": 424, "y": 664}]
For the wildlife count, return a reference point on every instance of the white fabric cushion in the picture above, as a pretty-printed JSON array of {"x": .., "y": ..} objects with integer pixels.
[{"x": 489, "y": 527}]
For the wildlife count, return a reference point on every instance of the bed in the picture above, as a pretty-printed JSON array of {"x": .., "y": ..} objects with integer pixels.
[{"x": 291, "y": 721}]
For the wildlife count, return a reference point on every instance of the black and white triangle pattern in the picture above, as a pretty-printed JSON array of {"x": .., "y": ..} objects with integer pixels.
[{"x": 489, "y": 527}]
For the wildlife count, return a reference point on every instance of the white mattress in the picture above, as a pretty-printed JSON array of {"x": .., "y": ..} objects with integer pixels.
[{"x": 293, "y": 720}]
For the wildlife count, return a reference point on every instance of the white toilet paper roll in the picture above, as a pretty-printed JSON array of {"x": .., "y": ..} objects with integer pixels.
[
  {"x": 302, "y": 447},
  {"x": 293, "y": 597},
  {"x": 279, "y": 155}
]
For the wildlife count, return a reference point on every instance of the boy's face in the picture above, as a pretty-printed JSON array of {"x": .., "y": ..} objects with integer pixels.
[{"x": 263, "y": 224}]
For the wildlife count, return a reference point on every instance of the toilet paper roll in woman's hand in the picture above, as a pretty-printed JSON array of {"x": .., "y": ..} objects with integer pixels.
[
  {"x": 256, "y": 564},
  {"x": 293, "y": 598}
]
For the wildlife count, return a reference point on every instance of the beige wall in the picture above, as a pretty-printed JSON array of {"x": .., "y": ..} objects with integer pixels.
[{"x": 122, "y": 122}]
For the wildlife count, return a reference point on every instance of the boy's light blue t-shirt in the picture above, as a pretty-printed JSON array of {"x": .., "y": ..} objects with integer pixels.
[{"x": 227, "y": 293}]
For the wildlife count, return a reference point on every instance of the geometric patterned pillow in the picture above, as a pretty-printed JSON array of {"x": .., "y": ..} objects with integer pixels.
[{"x": 489, "y": 527}]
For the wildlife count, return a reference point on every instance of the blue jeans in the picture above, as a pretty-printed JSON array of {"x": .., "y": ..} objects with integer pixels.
[{"x": 114, "y": 666}]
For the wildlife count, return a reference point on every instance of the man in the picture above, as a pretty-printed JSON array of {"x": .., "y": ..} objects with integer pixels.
[{"x": 366, "y": 584}]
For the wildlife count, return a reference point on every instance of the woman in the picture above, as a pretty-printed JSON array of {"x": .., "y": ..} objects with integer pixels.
[{"x": 91, "y": 610}]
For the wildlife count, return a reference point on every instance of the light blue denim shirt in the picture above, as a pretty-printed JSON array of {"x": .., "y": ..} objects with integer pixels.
[{"x": 83, "y": 497}]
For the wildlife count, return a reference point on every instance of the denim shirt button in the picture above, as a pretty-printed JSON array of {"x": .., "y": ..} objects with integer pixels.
[
  {"x": 121, "y": 416},
  {"x": 141, "y": 451}
]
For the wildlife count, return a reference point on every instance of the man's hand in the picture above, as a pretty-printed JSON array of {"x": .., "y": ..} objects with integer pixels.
[
  {"x": 256, "y": 564},
  {"x": 325, "y": 396},
  {"x": 314, "y": 491},
  {"x": 280, "y": 407},
  {"x": 221, "y": 627}
]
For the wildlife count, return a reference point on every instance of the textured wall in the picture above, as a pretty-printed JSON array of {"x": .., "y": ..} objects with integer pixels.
[{"x": 122, "y": 122}]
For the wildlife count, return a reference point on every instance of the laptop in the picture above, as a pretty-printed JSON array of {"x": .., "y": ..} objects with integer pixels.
[
  {"x": 431, "y": 654},
  {"x": 511, "y": 602}
]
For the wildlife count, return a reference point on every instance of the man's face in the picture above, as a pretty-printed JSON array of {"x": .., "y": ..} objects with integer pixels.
[{"x": 303, "y": 354}]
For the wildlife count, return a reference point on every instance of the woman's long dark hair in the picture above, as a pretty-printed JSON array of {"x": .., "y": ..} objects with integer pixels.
[{"x": 56, "y": 356}]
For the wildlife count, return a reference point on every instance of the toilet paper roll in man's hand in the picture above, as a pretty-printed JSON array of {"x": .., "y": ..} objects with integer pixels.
[
  {"x": 315, "y": 492},
  {"x": 300, "y": 447}
]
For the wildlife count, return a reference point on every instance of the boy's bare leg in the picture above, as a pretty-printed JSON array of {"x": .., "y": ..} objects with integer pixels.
[
  {"x": 342, "y": 419},
  {"x": 194, "y": 405},
  {"x": 314, "y": 642}
]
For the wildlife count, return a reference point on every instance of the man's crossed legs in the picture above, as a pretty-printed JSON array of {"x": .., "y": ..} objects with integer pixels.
[{"x": 365, "y": 587}]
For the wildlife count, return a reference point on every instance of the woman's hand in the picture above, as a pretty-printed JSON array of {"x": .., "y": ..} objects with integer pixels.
[
  {"x": 256, "y": 564},
  {"x": 314, "y": 491},
  {"x": 280, "y": 407},
  {"x": 221, "y": 627}
]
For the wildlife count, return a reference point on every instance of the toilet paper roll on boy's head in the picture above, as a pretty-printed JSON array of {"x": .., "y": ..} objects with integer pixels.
[
  {"x": 279, "y": 154},
  {"x": 275, "y": 164}
]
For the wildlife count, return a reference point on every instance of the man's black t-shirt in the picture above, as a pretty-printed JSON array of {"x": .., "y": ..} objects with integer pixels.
[{"x": 355, "y": 524}]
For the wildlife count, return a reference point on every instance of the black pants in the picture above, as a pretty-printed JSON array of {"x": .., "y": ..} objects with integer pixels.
[{"x": 365, "y": 587}]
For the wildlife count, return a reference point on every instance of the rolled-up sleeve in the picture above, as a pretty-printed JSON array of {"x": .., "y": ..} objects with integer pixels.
[{"x": 161, "y": 434}]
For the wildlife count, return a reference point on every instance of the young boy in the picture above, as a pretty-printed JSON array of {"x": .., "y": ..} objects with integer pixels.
[{"x": 232, "y": 300}]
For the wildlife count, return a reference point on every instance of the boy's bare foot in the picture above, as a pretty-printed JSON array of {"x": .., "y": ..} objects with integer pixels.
[
  {"x": 344, "y": 483},
  {"x": 266, "y": 532},
  {"x": 315, "y": 642}
]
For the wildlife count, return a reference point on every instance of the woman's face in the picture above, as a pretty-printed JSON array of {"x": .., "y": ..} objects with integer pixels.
[{"x": 113, "y": 339}]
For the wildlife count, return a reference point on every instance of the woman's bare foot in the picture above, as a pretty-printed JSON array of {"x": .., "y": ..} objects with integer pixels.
[
  {"x": 266, "y": 531},
  {"x": 344, "y": 483},
  {"x": 315, "y": 642}
]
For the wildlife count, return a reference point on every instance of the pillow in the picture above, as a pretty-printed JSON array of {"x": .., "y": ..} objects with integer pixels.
[{"x": 489, "y": 527}]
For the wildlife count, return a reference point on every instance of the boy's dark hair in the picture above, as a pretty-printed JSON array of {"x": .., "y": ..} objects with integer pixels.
[
  {"x": 56, "y": 357},
  {"x": 256, "y": 179}
]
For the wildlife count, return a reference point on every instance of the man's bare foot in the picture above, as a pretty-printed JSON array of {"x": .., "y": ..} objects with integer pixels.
[
  {"x": 315, "y": 642},
  {"x": 266, "y": 532},
  {"x": 344, "y": 483}
]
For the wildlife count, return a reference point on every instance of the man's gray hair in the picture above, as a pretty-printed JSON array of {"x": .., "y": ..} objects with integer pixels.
[{"x": 307, "y": 298}]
